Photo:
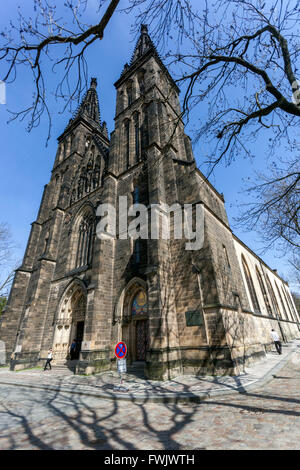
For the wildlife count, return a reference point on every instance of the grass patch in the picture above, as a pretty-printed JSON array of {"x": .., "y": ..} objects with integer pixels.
[{"x": 29, "y": 368}]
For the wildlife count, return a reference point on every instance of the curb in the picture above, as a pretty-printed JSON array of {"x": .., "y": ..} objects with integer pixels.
[{"x": 168, "y": 397}]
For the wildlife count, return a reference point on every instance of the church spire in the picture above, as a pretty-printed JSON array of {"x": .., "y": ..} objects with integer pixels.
[
  {"x": 143, "y": 49},
  {"x": 89, "y": 107},
  {"x": 143, "y": 45}
]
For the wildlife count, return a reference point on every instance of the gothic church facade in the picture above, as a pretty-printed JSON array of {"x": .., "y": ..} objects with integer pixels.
[{"x": 204, "y": 311}]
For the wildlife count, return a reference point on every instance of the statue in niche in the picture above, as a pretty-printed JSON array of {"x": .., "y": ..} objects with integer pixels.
[
  {"x": 73, "y": 196},
  {"x": 96, "y": 172},
  {"x": 80, "y": 186},
  {"x": 68, "y": 216},
  {"x": 46, "y": 242},
  {"x": 89, "y": 171}
]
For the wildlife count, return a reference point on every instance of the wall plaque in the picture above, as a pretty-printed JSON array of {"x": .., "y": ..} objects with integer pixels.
[{"x": 194, "y": 318}]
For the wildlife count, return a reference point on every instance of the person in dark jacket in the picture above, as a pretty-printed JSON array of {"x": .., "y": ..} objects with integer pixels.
[
  {"x": 49, "y": 359},
  {"x": 73, "y": 349}
]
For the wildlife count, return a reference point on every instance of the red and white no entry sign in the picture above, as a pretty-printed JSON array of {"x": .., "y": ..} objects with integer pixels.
[{"x": 121, "y": 350}]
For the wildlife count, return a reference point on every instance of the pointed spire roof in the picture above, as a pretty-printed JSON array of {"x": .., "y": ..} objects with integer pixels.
[
  {"x": 143, "y": 45},
  {"x": 89, "y": 107}
]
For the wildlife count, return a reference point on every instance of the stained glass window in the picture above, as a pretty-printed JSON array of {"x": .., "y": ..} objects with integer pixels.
[{"x": 139, "y": 304}]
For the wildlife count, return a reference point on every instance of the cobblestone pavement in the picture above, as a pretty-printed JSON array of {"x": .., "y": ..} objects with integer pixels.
[
  {"x": 107, "y": 384},
  {"x": 266, "y": 418}
]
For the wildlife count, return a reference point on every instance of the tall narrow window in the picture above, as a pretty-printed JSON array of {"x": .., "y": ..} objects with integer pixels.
[
  {"x": 61, "y": 151},
  {"x": 288, "y": 304},
  {"x": 137, "y": 251},
  {"x": 226, "y": 257},
  {"x": 264, "y": 292},
  {"x": 141, "y": 81},
  {"x": 279, "y": 295},
  {"x": 144, "y": 131},
  {"x": 127, "y": 148},
  {"x": 250, "y": 286},
  {"x": 85, "y": 238},
  {"x": 129, "y": 95},
  {"x": 292, "y": 306},
  {"x": 273, "y": 298},
  {"x": 137, "y": 137},
  {"x": 136, "y": 196}
]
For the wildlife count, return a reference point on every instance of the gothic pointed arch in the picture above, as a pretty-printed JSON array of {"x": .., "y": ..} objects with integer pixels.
[
  {"x": 133, "y": 318},
  {"x": 82, "y": 237},
  {"x": 281, "y": 301},
  {"x": 273, "y": 298},
  {"x": 125, "y": 297},
  {"x": 250, "y": 286},
  {"x": 89, "y": 174},
  {"x": 69, "y": 321},
  {"x": 264, "y": 292}
]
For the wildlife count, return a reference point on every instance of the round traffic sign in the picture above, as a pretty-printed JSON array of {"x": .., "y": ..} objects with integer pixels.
[{"x": 121, "y": 350}]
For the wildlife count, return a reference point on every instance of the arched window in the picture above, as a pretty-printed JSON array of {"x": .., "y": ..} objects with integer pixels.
[
  {"x": 69, "y": 142},
  {"x": 81, "y": 183},
  {"x": 129, "y": 95},
  {"x": 141, "y": 81},
  {"x": 279, "y": 295},
  {"x": 250, "y": 286},
  {"x": 85, "y": 241},
  {"x": 144, "y": 131},
  {"x": 127, "y": 142},
  {"x": 273, "y": 298},
  {"x": 288, "y": 304},
  {"x": 97, "y": 172},
  {"x": 137, "y": 251},
  {"x": 292, "y": 306},
  {"x": 61, "y": 151},
  {"x": 264, "y": 292},
  {"x": 136, "y": 136},
  {"x": 136, "y": 195}
]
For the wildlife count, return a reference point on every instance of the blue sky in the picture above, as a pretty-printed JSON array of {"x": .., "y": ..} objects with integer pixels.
[{"x": 26, "y": 162}]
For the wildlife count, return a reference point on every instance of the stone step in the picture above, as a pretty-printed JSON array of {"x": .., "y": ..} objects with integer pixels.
[
  {"x": 137, "y": 369},
  {"x": 137, "y": 365},
  {"x": 65, "y": 366}
]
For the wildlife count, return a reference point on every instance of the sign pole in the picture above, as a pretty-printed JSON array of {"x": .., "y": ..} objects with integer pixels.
[{"x": 120, "y": 353}]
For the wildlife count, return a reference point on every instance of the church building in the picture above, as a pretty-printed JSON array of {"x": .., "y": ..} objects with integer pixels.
[{"x": 179, "y": 311}]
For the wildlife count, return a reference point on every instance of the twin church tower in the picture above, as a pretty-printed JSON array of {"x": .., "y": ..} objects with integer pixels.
[{"x": 202, "y": 311}]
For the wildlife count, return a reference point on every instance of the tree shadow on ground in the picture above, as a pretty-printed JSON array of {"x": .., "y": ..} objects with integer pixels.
[{"x": 59, "y": 420}]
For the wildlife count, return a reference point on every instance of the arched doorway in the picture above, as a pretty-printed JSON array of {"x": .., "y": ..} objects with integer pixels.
[
  {"x": 69, "y": 324},
  {"x": 135, "y": 323}
]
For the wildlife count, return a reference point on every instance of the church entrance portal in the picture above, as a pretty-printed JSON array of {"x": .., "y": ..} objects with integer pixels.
[
  {"x": 69, "y": 324},
  {"x": 135, "y": 324}
]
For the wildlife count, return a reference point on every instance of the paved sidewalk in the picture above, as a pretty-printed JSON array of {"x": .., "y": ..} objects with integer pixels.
[{"x": 183, "y": 388}]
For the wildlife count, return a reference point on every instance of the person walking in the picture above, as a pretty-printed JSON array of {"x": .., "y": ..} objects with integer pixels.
[
  {"x": 276, "y": 340},
  {"x": 49, "y": 359},
  {"x": 73, "y": 349}
]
